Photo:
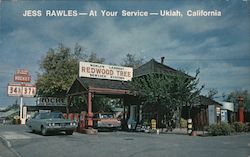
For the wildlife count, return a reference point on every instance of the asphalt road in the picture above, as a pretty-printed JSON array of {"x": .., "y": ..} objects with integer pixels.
[{"x": 123, "y": 144}]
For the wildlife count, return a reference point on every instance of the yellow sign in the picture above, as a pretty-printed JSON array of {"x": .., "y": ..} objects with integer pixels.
[{"x": 153, "y": 124}]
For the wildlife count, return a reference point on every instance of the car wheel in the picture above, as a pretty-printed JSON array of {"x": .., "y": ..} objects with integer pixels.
[
  {"x": 30, "y": 129},
  {"x": 69, "y": 132},
  {"x": 43, "y": 131}
]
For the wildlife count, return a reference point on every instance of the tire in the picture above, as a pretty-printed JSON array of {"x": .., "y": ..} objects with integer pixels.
[
  {"x": 31, "y": 130},
  {"x": 43, "y": 131},
  {"x": 69, "y": 132}
]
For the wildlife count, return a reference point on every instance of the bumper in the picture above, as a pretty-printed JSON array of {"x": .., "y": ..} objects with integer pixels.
[
  {"x": 108, "y": 126},
  {"x": 60, "y": 128}
]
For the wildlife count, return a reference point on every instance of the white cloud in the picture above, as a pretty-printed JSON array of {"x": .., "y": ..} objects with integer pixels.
[{"x": 185, "y": 42}]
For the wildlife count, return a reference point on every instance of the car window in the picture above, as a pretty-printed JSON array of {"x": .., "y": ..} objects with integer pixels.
[
  {"x": 107, "y": 116},
  {"x": 57, "y": 115},
  {"x": 37, "y": 116},
  {"x": 44, "y": 116},
  {"x": 50, "y": 115}
]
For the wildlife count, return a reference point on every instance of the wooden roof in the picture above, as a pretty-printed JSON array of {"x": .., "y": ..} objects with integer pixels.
[
  {"x": 205, "y": 101},
  {"x": 82, "y": 84},
  {"x": 152, "y": 67}
]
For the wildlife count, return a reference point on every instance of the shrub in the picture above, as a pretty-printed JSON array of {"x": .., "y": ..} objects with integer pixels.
[
  {"x": 247, "y": 127},
  {"x": 220, "y": 129},
  {"x": 239, "y": 127}
]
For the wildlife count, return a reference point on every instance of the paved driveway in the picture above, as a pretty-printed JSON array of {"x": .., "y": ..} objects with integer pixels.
[{"x": 124, "y": 144}]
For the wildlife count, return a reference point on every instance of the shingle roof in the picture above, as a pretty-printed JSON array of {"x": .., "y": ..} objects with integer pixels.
[
  {"x": 102, "y": 83},
  {"x": 152, "y": 67},
  {"x": 82, "y": 84},
  {"x": 207, "y": 101}
]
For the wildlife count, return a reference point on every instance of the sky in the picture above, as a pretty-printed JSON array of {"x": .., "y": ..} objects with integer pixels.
[{"x": 217, "y": 45}]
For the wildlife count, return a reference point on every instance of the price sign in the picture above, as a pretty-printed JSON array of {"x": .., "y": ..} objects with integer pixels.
[{"x": 24, "y": 90}]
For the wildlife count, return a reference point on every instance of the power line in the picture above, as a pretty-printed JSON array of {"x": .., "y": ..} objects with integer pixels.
[{"x": 209, "y": 59}]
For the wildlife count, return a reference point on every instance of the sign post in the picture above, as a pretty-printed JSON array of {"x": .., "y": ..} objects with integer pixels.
[
  {"x": 21, "y": 90},
  {"x": 21, "y": 110}
]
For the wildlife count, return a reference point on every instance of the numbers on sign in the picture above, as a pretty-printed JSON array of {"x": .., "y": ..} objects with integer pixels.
[
  {"x": 26, "y": 91},
  {"x": 19, "y": 91},
  {"x": 15, "y": 90},
  {"x": 29, "y": 90},
  {"x": 11, "y": 90}
]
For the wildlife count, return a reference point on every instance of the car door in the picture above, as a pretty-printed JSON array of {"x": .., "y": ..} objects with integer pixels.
[{"x": 35, "y": 122}]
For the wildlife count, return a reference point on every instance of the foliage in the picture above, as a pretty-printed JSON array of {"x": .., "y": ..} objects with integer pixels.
[
  {"x": 132, "y": 61},
  {"x": 102, "y": 104},
  {"x": 14, "y": 106},
  {"x": 211, "y": 93},
  {"x": 226, "y": 129},
  {"x": 95, "y": 59},
  {"x": 166, "y": 93},
  {"x": 79, "y": 103},
  {"x": 60, "y": 68},
  {"x": 234, "y": 96},
  {"x": 239, "y": 127},
  {"x": 247, "y": 127},
  {"x": 220, "y": 129}
]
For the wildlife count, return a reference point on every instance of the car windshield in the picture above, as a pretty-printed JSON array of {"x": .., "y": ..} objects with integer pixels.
[
  {"x": 52, "y": 115},
  {"x": 107, "y": 116}
]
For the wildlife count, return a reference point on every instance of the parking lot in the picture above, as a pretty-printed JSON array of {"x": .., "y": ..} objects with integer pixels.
[{"x": 123, "y": 144}]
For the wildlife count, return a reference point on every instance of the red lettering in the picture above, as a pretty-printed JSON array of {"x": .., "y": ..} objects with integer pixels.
[
  {"x": 107, "y": 71},
  {"x": 111, "y": 72},
  {"x": 83, "y": 69},
  {"x": 129, "y": 74},
  {"x": 98, "y": 71},
  {"x": 88, "y": 69},
  {"x": 103, "y": 71}
]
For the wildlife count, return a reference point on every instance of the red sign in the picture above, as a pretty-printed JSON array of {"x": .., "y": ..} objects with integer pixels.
[
  {"x": 22, "y": 78},
  {"x": 22, "y": 72},
  {"x": 22, "y": 75}
]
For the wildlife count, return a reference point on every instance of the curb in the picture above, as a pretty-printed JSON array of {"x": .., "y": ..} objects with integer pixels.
[{"x": 8, "y": 144}]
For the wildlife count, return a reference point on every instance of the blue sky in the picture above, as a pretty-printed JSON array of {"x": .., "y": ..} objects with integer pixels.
[{"x": 219, "y": 46}]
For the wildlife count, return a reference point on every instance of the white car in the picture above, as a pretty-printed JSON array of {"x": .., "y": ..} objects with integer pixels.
[{"x": 46, "y": 122}]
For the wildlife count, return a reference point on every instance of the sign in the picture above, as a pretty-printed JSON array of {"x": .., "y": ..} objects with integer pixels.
[
  {"x": 25, "y": 90},
  {"x": 218, "y": 111},
  {"x": 211, "y": 114},
  {"x": 22, "y": 78},
  {"x": 22, "y": 72},
  {"x": 22, "y": 75},
  {"x": 224, "y": 117},
  {"x": 51, "y": 101},
  {"x": 228, "y": 106},
  {"x": 103, "y": 71}
]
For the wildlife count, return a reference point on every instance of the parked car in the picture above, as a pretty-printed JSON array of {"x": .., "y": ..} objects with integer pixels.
[
  {"x": 106, "y": 121},
  {"x": 46, "y": 122}
]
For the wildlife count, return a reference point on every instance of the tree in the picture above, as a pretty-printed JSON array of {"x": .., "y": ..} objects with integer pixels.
[
  {"x": 234, "y": 96},
  {"x": 211, "y": 93},
  {"x": 166, "y": 93},
  {"x": 132, "y": 61},
  {"x": 60, "y": 68},
  {"x": 95, "y": 59}
]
